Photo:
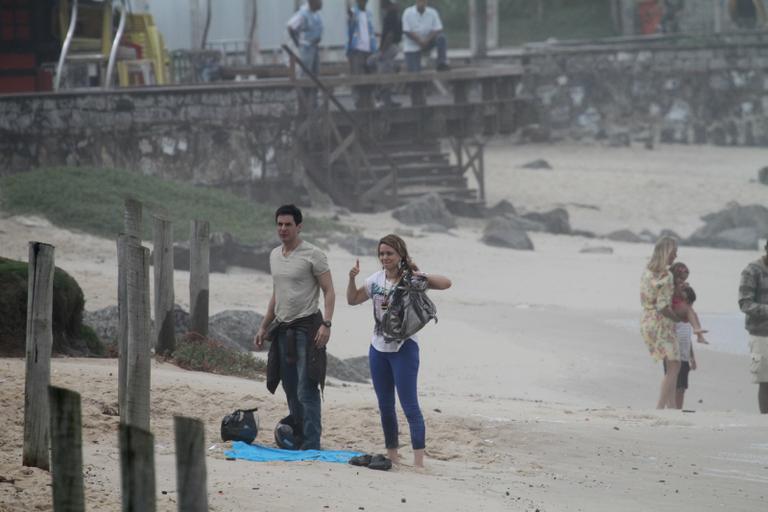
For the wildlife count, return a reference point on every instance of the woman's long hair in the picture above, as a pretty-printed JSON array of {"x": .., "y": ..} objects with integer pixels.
[
  {"x": 660, "y": 259},
  {"x": 398, "y": 244}
]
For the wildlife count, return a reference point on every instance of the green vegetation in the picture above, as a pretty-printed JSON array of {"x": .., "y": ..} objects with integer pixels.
[
  {"x": 70, "y": 336},
  {"x": 526, "y": 21},
  {"x": 91, "y": 200},
  {"x": 195, "y": 352}
]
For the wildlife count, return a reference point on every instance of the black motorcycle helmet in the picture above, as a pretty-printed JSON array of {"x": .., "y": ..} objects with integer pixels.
[{"x": 288, "y": 434}]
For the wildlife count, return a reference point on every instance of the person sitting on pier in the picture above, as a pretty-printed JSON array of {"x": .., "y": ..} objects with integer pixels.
[
  {"x": 306, "y": 30},
  {"x": 361, "y": 40},
  {"x": 423, "y": 31}
]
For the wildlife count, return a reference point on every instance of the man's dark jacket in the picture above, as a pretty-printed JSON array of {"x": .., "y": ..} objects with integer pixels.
[{"x": 317, "y": 359}]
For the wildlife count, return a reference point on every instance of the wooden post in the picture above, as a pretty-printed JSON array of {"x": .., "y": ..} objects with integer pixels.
[
  {"x": 38, "y": 355},
  {"x": 66, "y": 450},
  {"x": 122, "y": 312},
  {"x": 478, "y": 28},
  {"x": 199, "y": 263},
  {"x": 132, "y": 218},
  {"x": 418, "y": 94},
  {"x": 139, "y": 339},
  {"x": 481, "y": 173},
  {"x": 190, "y": 464},
  {"x": 137, "y": 469},
  {"x": 132, "y": 222},
  {"x": 164, "y": 337}
]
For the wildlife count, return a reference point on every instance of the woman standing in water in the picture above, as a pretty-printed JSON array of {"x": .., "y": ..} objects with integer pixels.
[
  {"x": 394, "y": 363},
  {"x": 658, "y": 322}
]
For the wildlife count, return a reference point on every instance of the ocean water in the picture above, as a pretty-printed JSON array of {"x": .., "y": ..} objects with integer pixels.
[{"x": 726, "y": 331}]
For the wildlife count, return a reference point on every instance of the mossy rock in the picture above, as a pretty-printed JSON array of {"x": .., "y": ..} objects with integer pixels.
[{"x": 70, "y": 336}]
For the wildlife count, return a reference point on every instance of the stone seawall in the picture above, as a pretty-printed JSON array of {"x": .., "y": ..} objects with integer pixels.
[
  {"x": 710, "y": 90},
  {"x": 210, "y": 135}
]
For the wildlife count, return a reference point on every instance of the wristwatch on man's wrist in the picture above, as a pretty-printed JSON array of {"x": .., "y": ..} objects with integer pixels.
[{"x": 327, "y": 323}]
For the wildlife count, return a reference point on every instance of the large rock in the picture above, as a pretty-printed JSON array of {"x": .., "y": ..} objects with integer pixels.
[
  {"x": 359, "y": 245},
  {"x": 503, "y": 207},
  {"x": 343, "y": 370},
  {"x": 235, "y": 327},
  {"x": 555, "y": 221},
  {"x": 624, "y": 235},
  {"x": 226, "y": 251},
  {"x": 429, "y": 209},
  {"x": 720, "y": 227},
  {"x": 762, "y": 175},
  {"x": 746, "y": 239},
  {"x": 537, "y": 164},
  {"x": 503, "y": 232},
  {"x": 464, "y": 208},
  {"x": 104, "y": 322},
  {"x": 597, "y": 249},
  {"x": 526, "y": 224}
]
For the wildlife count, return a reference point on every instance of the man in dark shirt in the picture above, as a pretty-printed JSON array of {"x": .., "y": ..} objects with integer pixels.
[
  {"x": 391, "y": 35},
  {"x": 391, "y": 26}
]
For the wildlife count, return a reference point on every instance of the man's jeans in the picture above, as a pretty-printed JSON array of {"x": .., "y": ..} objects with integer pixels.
[
  {"x": 302, "y": 393},
  {"x": 413, "y": 59}
]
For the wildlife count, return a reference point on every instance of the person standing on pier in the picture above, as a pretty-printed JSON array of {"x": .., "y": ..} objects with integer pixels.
[
  {"x": 306, "y": 30},
  {"x": 361, "y": 38},
  {"x": 423, "y": 31}
]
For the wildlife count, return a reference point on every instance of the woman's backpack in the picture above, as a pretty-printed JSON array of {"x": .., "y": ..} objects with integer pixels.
[
  {"x": 409, "y": 310},
  {"x": 240, "y": 425}
]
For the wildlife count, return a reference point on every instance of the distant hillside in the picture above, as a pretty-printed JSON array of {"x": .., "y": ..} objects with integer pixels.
[{"x": 91, "y": 200}]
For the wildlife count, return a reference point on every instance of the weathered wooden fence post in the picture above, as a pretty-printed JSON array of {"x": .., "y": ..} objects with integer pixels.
[
  {"x": 66, "y": 451},
  {"x": 191, "y": 477},
  {"x": 164, "y": 336},
  {"x": 38, "y": 355},
  {"x": 199, "y": 264},
  {"x": 123, "y": 241},
  {"x": 139, "y": 339},
  {"x": 132, "y": 215},
  {"x": 137, "y": 469}
]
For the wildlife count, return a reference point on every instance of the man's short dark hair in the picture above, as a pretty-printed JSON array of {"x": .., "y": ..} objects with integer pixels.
[{"x": 289, "y": 209}]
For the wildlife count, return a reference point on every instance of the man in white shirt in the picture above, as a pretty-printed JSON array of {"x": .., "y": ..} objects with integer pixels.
[
  {"x": 423, "y": 31},
  {"x": 306, "y": 30}
]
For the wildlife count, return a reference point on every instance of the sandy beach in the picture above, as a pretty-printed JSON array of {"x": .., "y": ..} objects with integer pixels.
[{"x": 537, "y": 390}]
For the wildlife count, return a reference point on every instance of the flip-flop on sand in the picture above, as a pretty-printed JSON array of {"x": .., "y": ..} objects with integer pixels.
[
  {"x": 380, "y": 462},
  {"x": 361, "y": 460}
]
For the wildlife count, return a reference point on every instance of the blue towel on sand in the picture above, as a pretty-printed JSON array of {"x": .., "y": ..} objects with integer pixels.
[{"x": 258, "y": 453}]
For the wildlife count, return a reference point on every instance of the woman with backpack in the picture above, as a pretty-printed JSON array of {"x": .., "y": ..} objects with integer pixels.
[{"x": 394, "y": 363}]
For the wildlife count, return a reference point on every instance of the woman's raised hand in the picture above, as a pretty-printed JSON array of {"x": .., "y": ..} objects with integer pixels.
[{"x": 355, "y": 270}]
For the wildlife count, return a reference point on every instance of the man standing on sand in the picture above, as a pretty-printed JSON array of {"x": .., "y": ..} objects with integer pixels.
[
  {"x": 423, "y": 31},
  {"x": 294, "y": 324},
  {"x": 753, "y": 301}
]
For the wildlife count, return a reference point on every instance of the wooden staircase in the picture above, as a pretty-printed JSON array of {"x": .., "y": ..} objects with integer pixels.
[{"x": 421, "y": 169}]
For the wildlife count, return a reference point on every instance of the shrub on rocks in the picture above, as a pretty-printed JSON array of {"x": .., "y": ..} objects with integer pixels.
[{"x": 70, "y": 336}]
